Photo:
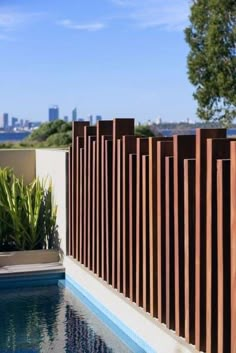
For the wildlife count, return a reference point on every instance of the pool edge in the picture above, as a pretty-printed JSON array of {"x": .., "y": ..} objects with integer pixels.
[{"x": 145, "y": 331}]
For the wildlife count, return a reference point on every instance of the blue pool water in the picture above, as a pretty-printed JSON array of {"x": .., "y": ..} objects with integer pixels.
[{"x": 51, "y": 319}]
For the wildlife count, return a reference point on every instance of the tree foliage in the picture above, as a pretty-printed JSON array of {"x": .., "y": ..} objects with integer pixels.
[
  {"x": 143, "y": 130},
  {"x": 211, "y": 36},
  {"x": 49, "y": 129}
]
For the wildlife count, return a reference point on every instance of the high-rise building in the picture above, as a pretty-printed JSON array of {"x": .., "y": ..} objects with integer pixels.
[
  {"x": 74, "y": 114},
  {"x": 98, "y": 118},
  {"x": 66, "y": 118},
  {"x": 90, "y": 118},
  {"x": 53, "y": 113},
  {"x": 13, "y": 122},
  {"x": 4, "y": 121}
]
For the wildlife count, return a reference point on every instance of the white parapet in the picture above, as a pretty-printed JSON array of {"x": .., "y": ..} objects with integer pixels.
[
  {"x": 21, "y": 161},
  {"x": 52, "y": 164}
]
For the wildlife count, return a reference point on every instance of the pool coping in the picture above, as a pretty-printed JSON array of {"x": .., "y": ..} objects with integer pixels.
[{"x": 148, "y": 333}]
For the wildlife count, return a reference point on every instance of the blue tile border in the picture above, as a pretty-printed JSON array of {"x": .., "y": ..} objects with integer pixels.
[
  {"x": 30, "y": 280},
  {"x": 130, "y": 338}
]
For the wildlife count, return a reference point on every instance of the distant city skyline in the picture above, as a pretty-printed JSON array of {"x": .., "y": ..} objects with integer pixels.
[{"x": 118, "y": 58}]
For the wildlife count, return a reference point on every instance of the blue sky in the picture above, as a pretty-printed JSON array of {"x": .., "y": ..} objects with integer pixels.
[{"x": 116, "y": 58}]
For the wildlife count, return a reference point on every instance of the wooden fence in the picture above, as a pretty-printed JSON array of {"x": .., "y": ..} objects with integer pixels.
[{"x": 156, "y": 219}]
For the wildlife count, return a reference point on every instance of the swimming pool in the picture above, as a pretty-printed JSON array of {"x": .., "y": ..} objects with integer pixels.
[{"x": 51, "y": 318}]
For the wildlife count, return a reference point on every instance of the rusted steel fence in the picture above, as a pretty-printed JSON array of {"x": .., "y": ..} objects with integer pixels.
[{"x": 156, "y": 219}]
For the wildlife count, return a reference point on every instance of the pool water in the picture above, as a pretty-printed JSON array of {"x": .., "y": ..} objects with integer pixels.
[{"x": 51, "y": 319}]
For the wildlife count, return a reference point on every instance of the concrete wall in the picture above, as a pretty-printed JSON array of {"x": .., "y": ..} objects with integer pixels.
[
  {"x": 53, "y": 164},
  {"x": 21, "y": 161}
]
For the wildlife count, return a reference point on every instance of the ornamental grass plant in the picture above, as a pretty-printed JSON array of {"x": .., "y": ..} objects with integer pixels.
[{"x": 27, "y": 214}]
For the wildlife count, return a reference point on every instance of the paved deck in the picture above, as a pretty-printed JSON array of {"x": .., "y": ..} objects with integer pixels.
[{"x": 55, "y": 267}]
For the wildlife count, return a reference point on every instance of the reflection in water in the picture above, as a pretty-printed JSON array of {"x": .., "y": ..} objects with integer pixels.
[
  {"x": 51, "y": 319},
  {"x": 28, "y": 317},
  {"x": 80, "y": 337}
]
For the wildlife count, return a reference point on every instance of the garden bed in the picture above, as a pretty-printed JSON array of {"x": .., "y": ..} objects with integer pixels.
[{"x": 28, "y": 257}]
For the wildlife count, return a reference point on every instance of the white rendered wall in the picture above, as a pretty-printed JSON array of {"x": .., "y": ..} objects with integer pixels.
[
  {"x": 53, "y": 164},
  {"x": 21, "y": 161}
]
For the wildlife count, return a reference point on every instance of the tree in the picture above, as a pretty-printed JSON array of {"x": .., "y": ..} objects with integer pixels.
[
  {"x": 144, "y": 130},
  {"x": 211, "y": 36}
]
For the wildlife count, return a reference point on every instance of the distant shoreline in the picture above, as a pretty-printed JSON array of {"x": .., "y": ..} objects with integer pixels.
[{"x": 15, "y": 136}]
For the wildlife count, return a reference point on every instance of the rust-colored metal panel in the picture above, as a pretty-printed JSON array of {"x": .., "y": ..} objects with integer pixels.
[
  {"x": 79, "y": 144},
  {"x": 183, "y": 148},
  {"x": 70, "y": 201},
  {"x": 152, "y": 151},
  {"x": 223, "y": 254},
  {"x": 129, "y": 147},
  {"x": 88, "y": 131},
  {"x": 81, "y": 203},
  {"x": 108, "y": 209},
  {"x": 141, "y": 149},
  {"x": 200, "y": 286},
  {"x": 164, "y": 149},
  {"x": 104, "y": 127},
  {"x": 119, "y": 218},
  {"x": 145, "y": 233},
  {"x": 91, "y": 158},
  {"x": 103, "y": 208},
  {"x": 94, "y": 213},
  {"x": 216, "y": 149},
  {"x": 233, "y": 242},
  {"x": 170, "y": 254},
  {"x": 77, "y": 131},
  {"x": 132, "y": 226},
  {"x": 120, "y": 127},
  {"x": 189, "y": 252}
]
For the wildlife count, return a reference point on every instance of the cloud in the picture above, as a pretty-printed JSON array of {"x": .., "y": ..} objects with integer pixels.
[
  {"x": 169, "y": 14},
  {"x": 11, "y": 19},
  {"x": 90, "y": 27}
]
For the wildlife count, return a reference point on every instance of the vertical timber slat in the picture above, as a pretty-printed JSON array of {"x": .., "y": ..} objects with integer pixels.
[
  {"x": 120, "y": 127},
  {"x": 88, "y": 131},
  {"x": 108, "y": 206},
  {"x": 132, "y": 226},
  {"x": 189, "y": 253},
  {"x": 170, "y": 254},
  {"x": 81, "y": 202},
  {"x": 91, "y": 209},
  {"x": 216, "y": 149},
  {"x": 180, "y": 153},
  {"x": 145, "y": 233},
  {"x": 164, "y": 149},
  {"x": 200, "y": 285},
  {"x": 223, "y": 249},
  {"x": 142, "y": 149},
  {"x": 77, "y": 131},
  {"x": 233, "y": 243},
  {"x": 129, "y": 147},
  {"x": 103, "y": 128}
]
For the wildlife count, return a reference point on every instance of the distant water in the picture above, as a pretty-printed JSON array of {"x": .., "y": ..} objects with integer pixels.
[
  {"x": 19, "y": 136},
  {"x": 13, "y": 136},
  {"x": 170, "y": 132}
]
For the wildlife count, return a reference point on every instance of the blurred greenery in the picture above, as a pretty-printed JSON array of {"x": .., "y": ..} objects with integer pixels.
[
  {"x": 27, "y": 214},
  {"x": 144, "y": 130},
  {"x": 59, "y": 134},
  {"x": 53, "y": 134}
]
